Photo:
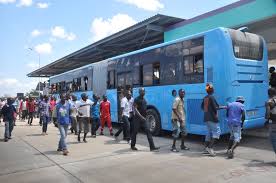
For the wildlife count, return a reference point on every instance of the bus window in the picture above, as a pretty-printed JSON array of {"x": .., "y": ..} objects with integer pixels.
[
  {"x": 111, "y": 79},
  {"x": 188, "y": 65},
  {"x": 168, "y": 73},
  {"x": 156, "y": 74},
  {"x": 85, "y": 79},
  {"x": 136, "y": 75},
  {"x": 78, "y": 84},
  {"x": 198, "y": 64},
  {"x": 147, "y": 75},
  {"x": 247, "y": 45}
]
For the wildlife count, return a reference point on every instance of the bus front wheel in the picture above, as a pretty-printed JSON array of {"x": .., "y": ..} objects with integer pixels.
[{"x": 154, "y": 121}]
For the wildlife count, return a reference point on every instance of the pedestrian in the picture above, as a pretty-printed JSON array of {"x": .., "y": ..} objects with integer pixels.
[
  {"x": 210, "y": 107},
  {"x": 271, "y": 116},
  {"x": 140, "y": 113},
  {"x": 73, "y": 115},
  {"x": 83, "y": 115},
  {"x": 8, "y": 111},
  {"x": 105, "y": 115},
  {"x": 41, "y": 98},
  {"x": 45, "y": 113},
  {"x": 16, "y": 105},
  {"x": 2, "y": 103},
  {"x": 235, "y": 114},
  {"x": 31, "y": 110},
  {"x": 272, "y": 77},
  {"x": 52, "y": 104},
  {"x": 179, "y": 121},
  {"x": 127, "y": 114},
  {"x": 95, "y": 115},
  {"x": 23, "y": 108},
  {"x": 63, "y": 119}
]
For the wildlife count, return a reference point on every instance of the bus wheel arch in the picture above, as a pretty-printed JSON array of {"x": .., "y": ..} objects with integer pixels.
[{"x": 154, "y": 119}]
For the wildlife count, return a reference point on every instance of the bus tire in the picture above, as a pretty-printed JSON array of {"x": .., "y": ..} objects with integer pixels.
[{"x": 154, "y": 121}]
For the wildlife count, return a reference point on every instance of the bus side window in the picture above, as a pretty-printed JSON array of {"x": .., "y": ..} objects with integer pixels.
[
  {"x": 111, "y": 79},
  {"x": 156, "y": 74},
  {"x": 85, "y": 79},
  {"x": 78, "y": 84},
  {"x": 147, "y": 75}
]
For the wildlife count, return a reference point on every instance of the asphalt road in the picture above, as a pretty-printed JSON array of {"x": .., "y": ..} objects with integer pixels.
[{"x": 31, "y": 157}]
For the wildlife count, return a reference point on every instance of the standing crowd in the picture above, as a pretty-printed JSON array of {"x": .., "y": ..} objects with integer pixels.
[{"x": 86, "y": 115}]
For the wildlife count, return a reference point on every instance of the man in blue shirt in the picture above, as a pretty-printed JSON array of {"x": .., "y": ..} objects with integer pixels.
[
  {"x": 63, "y": 118},
  {"x": 95, "y": 115},
  {"x": 235, "y": 116}
]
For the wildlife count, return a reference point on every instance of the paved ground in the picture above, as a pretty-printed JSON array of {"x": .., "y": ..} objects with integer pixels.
[{"x": 30, "y": 157}]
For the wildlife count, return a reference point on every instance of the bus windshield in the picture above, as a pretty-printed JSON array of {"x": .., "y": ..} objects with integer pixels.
[{"x": 247, "y": 45}]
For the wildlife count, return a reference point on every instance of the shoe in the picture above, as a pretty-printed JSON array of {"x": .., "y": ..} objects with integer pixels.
[
  {"x": 72, "y": 131},
  {"x": 116, "y": 138},
  {"x": 205, "y": 151},
  {"x": 155, "y": 149},
  {"x": 10, "y": 138},
  {"x": 173, "y": 149},
  {"x": 111, "y": 134},
  {"x": 84, "y": 140},
  {"x": 14, "y": 125},
  {"x": 78, "y": 138},
  {"x": 46, "y": 133},
  {"x": 58, "y": 150},
  {"x": 101, "y": 133},
  {"x": 134, "y": 148},
  {"x": 230, "y": 154},
  {"x": 6, "y": 140},
  {"x": 211, "y": 151},
  {"x": 93, "y": 136},
  {"x": 65, "y": 152},
  {"x": 184, "y": 148}
]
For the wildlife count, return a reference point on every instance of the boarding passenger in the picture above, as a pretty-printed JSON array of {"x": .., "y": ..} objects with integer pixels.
[
  {"x": 74, "y": 114},
  {"x": 127, "y": 115},
  {"x": 174, "y": 93},
  {"x": 235, "y": 117},
  {"x": 140, "y": 113},
  {"x": 179, "y": 121},
  {"x": 105, "y": 115},
  {"x": 210, "y": 107},
  {"x": 271, "y": 116},
  {"x": 83, "y": 115},
  {"x": 63, "y": 119},
  {"x": 95, "y": 115}
]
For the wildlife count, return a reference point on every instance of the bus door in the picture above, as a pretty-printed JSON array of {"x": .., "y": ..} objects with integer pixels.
[{"x": 124, "y": 81}]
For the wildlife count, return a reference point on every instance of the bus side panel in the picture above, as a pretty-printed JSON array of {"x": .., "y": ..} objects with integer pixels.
[{"x": 112, "y": 97}]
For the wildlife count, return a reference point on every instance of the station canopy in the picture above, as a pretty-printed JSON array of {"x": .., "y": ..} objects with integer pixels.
[{"x": 143, "y": 34}]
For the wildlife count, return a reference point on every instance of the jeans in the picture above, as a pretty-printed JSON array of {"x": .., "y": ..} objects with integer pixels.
[
  {"x": 45, "y": 121},
  {"x": 8, "y": 128},
  {"x": 136, "y": 126},
  {"x": 272, "y": 135},
  {"x": 178, "y": 128},
  {"x": 213, "y": 131},
  {"x": 95, "y": 125},
  {"x": 125, "y": 128},
  {"x": 235, "y": 132},
  {"x": 63, "y": 134}
]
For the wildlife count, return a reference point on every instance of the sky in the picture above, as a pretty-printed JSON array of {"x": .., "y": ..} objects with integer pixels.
[{"x": 52, "y": 29}]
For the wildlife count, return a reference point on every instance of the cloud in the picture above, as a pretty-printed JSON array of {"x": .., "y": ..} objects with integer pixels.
[
  {"x": 44, "y": 48},
  {"x": 36, "y": 33},
  {"x": 7, "y": 1},
  {"x": 42, "y": 5},
  {"x": 60, "y": 32},
  {"x": 149, "y": 5},
  {"x": 11, "y": 86},
  {"x": 25, "y": 3},
  {"x": 33, "y": 65},
  {"x": 101, "y": 28}
]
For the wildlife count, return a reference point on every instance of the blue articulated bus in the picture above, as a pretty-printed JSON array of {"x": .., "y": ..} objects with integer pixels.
[{"x": 234, "y": 61}]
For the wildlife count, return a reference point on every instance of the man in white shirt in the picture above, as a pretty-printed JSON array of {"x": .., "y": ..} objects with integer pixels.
[
  {"x": 24, "y": 109},
  {"x": 127, "y": 113},
  {"x": 83, "y": 107}
]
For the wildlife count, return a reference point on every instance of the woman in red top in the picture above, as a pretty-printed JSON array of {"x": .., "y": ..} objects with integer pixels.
[
  {"x": 31, "y": 110},
  {"x": 52, "y": 106}
]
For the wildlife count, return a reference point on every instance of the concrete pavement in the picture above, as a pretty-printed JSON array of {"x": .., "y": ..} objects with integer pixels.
[{"x": 30, "y": 157}]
